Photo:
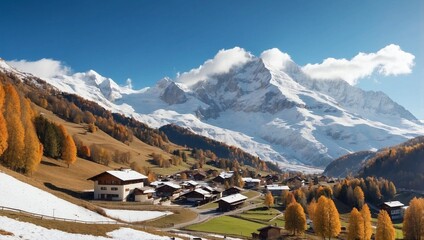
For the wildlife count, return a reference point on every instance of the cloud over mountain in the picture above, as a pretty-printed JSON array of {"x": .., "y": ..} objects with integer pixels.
[
  {"x": 390, "y": 60},
  {"x": 44, "y": 68},
  {"x": 223, "y": 61}
]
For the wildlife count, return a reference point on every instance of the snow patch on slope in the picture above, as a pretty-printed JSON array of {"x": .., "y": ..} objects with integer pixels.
[{"x": 22, "y": 196}]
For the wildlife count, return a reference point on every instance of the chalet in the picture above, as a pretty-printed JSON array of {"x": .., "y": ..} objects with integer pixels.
[
  {"x": 143, "y": 194},
  {"x": 394, "y": 208},
  {"x": 276, "y": 190},
  {"x": 295, "y": 182},
  {"x": 197, "y": 195},
  {"x": 199, "y": 176},
  {"x": 117, "y": 185},
  {"x": 189, "y": 184},
  {"x": 223, "y": 177},
  {"x": 270, "y": 179},
  {"x": 214, "y": 191},
  {"x": 232, "y": 190},
  {"x": 251, "y": 182},
  {"x": 231, "y": 202},
  {"x": 268, "y": 233},
  {"x": 167, "y": 189}
]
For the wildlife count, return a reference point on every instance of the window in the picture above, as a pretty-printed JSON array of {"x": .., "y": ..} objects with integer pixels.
[
  {"x": 127, "y": 189},
  {"x": 103, "y": 188},
  {"x": 114, "y": 189}
]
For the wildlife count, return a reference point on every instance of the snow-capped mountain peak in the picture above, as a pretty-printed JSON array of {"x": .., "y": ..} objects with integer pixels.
[{"x": 265, "y": 105}]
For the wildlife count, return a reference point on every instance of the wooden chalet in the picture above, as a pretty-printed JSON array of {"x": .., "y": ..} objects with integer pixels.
[
  {"x": 276, "y": 190},
  {"x": 223, "y": 177},
  {"x": 167, "y": 189},
  {"x": 214, "y": 191},
  {"x": 199, "y": 176},
  {"x": 232, "y": 190},
  {"x": 250, "y": 183},
  {"x": 268, "y": 233},
  {"x": 197, "y": 195},
  {"x": 394, "y": 209},
  {"x": 117, "y": 185},
  {"x": 143, "y": 194},
  {"x": 231, "y": 202}
]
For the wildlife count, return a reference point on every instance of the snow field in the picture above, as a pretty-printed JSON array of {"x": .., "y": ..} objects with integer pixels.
[
  {"x": 22, "y": 196},
  {"x": 29, "y": 231},
  {"x": 134, "y": 215}
]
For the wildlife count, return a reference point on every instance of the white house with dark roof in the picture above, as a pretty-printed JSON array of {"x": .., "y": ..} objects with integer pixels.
[{"x": 117, "y": 185}]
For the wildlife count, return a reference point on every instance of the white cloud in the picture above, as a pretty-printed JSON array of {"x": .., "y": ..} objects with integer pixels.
[
  {"x": 390, "y": 60},
  {"x": 43, "y": 68},
  {"x": 223, "y": 61},
  {"x": 275, "y": 58}
]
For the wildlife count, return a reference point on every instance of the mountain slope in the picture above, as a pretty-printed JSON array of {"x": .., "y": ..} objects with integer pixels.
[{"x": 265, "y": 105}]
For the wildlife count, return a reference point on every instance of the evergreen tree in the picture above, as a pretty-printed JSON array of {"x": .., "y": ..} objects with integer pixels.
[
  {"x": 366, "y": 217},
  {"x": 413, "y": 221},
  {"x": 31, "y": 154},
  {"x": 69, "y": 151},
  {"x": 13, "y": 156},
  {"x": 359, "y": 198},
  {"x": 3, "y": 127},
  {"x": 295, "y": 218},
  {"x": 311, "y": 209},
  {"x": 385, "y": 229},
  {"x": 356, "y": 226},
  {"x": 269, "y": 200},
  {"x": 326, "y": 218}
]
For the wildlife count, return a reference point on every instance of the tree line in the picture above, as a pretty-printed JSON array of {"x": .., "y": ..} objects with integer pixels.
[{"x": 20, "y": 148}]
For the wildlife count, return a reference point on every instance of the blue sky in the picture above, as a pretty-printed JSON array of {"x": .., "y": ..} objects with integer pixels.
[{"x": 147, "y": 40}]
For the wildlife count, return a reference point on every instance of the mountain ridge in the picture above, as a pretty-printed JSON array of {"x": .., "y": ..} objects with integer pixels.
[{"x": 288, "y": 117}]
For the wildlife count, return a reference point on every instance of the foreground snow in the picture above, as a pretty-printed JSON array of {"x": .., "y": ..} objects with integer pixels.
[
  {"x": 134, "y": 215},
  {"x": 23, "y": 230},
  {"x": 22, "y": 196}
]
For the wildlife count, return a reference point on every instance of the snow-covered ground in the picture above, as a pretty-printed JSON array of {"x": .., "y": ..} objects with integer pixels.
[
  {"x": 23, "y": 230},
  {"x": 22, "y": 196},
  {"x": 134, "y": 215}
]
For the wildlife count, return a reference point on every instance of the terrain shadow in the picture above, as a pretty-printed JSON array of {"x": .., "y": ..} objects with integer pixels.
[{"x": 64, "y": 190}]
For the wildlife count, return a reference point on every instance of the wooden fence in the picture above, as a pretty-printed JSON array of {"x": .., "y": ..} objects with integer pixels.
[{"x": 41, "y": 216}]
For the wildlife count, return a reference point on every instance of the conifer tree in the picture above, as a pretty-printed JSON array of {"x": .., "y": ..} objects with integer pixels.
[
  {"x": 326, "y": 218},
  {"x": 269, "y": 200},
  {"x": 69, "y": 150},
  {"x": 356, "y": 226},
  {"x": 311, "y": 209},
  {"x": 3, "y": 127},
  {"x": 366, "y": 217},
  {"x": 13, "y": 156},
  {"x": 289, "y": 199},
  {"x": 31, "y": 155},
  {"x": 295, "y": 218},
  {"x": 385, "y": 229},
  {"x": 413, "y": 222},
  {"x": 359, "y": 198}
]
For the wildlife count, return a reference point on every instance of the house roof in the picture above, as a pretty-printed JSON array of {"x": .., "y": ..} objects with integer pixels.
[
  {"x": 170, "y": 184},
  {"x": 394, "y": 204},
  {"x": 276, "y": 187},
  {"x": 226, "y": 174},
  {"x": 268, "y": 227},
  {"x": 233, "y": 198},
  {"x": 252, "y": 180},
  {"x": 191, "y": 182},
  {"x": 145, "y": 190},
  {"x": 122, "y": 174}
]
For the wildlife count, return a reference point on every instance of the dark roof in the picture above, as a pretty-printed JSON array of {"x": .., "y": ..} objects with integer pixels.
[{"x": 269, "y": 226}]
